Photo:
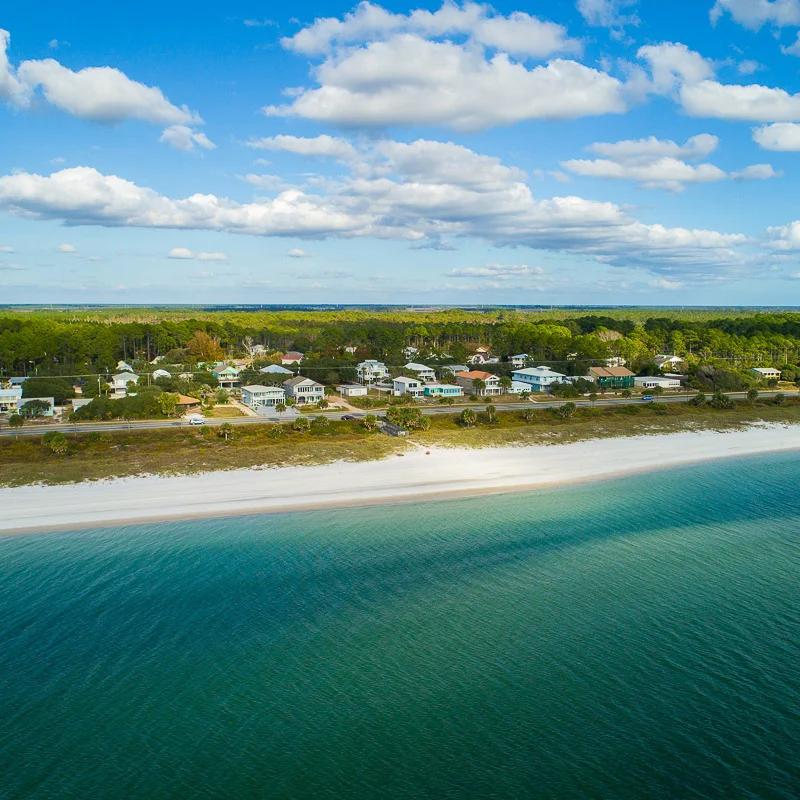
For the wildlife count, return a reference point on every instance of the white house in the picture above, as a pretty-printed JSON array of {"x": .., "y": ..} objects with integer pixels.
[
  {"x": 411, "y": 386},
  {"x": 518, "y": 361},
  {"x": 118, "y": 385},
  {"x": 651, "y": 382},
  {"x": 161, "y": 373},
  {"x": 371, "y": 371},
  {"x": 518, "y": 387},
  {"x": 124, "y": 366},
  {"x": 292, "y": 358},
  {"x": 538, "y": 379},
  {"x": 257, "y": 396},
  {"x": 353, "y": 390},
  {"x": 226, "y": 375},
  {"x": 421, "y": 371},
  {"x": 443, "y": 390},
  {"x": 275, "y": 369},
  {"x": 767, "y": 373},
  {"x": 304, "y": 390},
  {"x": 9, "y": 398},
  {"x": 663, "y": 361}
]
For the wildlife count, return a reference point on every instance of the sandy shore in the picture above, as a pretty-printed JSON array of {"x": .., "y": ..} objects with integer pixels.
[{"x": 416, "y": 476}]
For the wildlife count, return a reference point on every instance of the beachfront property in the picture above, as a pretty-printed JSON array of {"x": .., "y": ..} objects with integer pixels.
[
  {"x": 291, "y": 358},
  {"x": 304, "y": 390},
  {"x": 48, "y": 412},
  {"x": 767, "y": 373},
  {"x": 118, "y": 385},
  {"x": 275, "y": 369},
  {"x": 353, "y": 390},
  {"x": 467, "y": 380},
  {"x": 652, "y": 382},
  {"x": 442, "y": 390},
  {"x": 421, "y": 371},
  {"x": 409, "y": 386},
  {"x": 612, "y": 377},
  {"x": 518, "y": 387},
  {"x": 226, "y": 375},
  {"x": 256, "y": 396},
  {"x": 663, "y": 361},
  {"x": 537, "y": 379},
  {"x": 518, "y": 361},
  {"x": 371, "y": 371},
  {"x": 9, "y": 398}
]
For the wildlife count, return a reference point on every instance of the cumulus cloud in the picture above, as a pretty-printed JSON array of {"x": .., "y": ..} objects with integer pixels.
[
  {"x": 409, "y": 80},
  {"x": 66, "y": 248},
  {"x": 673, "y": 64},
  {"x": 98, "y": 94},
  {"x": 297, "y": 252},
  {"x": 184, "y": 138},
  {"x": 185, "y": 253},
  {"x": 325, "y": 146},
  {"x": 419, "y": 192},
  {"x": 753, "y": 103},
  {"x": 661, "y": 163},
  {"x": 784, "y": 237},
  {"x": 753, "y": 14},
  {"x": 517, "y": 34},
  {"x": 267, "y": 182},
  {"x": 780, "y": 136}
]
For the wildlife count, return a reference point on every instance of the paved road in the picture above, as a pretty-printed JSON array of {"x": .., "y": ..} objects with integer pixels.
[{"x": 105, "y": 427}]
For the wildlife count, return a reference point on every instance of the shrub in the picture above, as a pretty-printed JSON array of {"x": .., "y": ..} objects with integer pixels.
[
  {"x": 721, "y": 401},
  {"x": 468, "y": 418},
  {"x": 301, "y": 424},
  {"x": 16, "y": 421},
  {"x": 56, "y": 441},
  {"x": 565, "y": 411}
]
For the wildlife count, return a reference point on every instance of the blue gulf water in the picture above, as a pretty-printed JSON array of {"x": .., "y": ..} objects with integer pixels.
[{"x": 631, "y": 639}]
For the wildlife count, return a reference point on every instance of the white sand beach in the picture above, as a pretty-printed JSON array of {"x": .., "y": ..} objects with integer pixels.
[{"x": 443, "y": 473}]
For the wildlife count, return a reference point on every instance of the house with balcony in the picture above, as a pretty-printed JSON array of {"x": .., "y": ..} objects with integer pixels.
[
  {"x": 538, "y": 379},
  {"x": 519, "y": 361},
  {"x": 372, "y": 371},
  {"x": 410, "y": 386},
  {"x": 118, "y": 384},
  {"x": 421, "y": 371},
  {"x": 767, "y": 373},
  {"x": 257, "y": 396},
  {"x": 9, "y": 398},
  {"x": 612, "y": 377},
  {"x": 304, "y": 390},
  {"x": 467, "y": 381}
]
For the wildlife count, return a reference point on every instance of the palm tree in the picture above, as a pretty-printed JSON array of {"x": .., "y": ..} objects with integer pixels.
[
  {"x": 505, "y": 383},
  {"x": 468, "y": 418},
  {"x": 479, "y": 386},
  {"x": 491, "y": 412}
]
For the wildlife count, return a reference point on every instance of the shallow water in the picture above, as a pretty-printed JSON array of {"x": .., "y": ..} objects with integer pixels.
[{"x": 637, "y": 638}]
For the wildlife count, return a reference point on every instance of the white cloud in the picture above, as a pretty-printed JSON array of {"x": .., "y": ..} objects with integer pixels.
[
  {"x": 792, "y": 49},
  {"x": 748, "y": 67},
  {"x": 661, "y": 164},
  {"x": 756, "y": 172},
  {"x": 780, "y": 136},
  {"x": 185, "y": 254},
  {"x": 268, "y": 182},
  {"x": 482, "y": 199},
  {"x": 11, "y": 88},
  {"x": 673, "y": 64},
  {"x": 663, "y": 283},
  {"x": 518, "y": 34},
  {"x": 498, "y": 272},
  {"x": 296, "y": 252},
  {"x": 5, "y": 249},
  {"x": 259, "y": 23},
  {"x": 66, "y": 248},
  {"x": 607, "y": 13},
  {"x": 751, "y": 103},
  {"x": 784, "y": 237},
  {"x": 408, "y": 80},
  {"x": 324, "y": 145},
  {"x": 13, "y": 267},
  {"x": 754, "y": 14},
  {"x": 184, "y": 138}
]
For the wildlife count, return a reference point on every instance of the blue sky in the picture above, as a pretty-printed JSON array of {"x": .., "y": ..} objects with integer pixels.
[{"x": 572, "y": 151}]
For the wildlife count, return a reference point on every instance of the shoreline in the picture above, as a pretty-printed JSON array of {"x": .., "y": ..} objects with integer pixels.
[{"x": 447, "y": 473}]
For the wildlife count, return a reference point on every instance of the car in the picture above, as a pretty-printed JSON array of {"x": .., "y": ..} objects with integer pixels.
[
  {"x": 196, "y": 419},
  {"x": 347, "y": 416},
  {"x": 648, "y": 397}
]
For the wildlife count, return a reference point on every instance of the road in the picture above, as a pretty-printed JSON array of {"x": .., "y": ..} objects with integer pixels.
[{"x": 107, "y": 427}]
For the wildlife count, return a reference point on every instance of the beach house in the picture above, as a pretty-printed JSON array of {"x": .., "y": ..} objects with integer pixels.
[
  {"x": 665, "y": 362},
  {"x": 421, "y": 371},
  {"x": 452, "y": 369},
  {"x": 518, "y": 361},
  {"x": 372, "y": 371},
  {"x": 227, "y": 375},
  {"x": 410, "y": 386},
  {"x": 767, "y": 373},
  {"x": 467, "y": 381},
  {"x": 353, "y": 390},
  {"x": 442, "y": 390},
  {"x": 304, "y": 390},
  {"x": 612, "y": 377},
  {"x": 656, "y": 381},
  {"x": 9, "y": 398},
  {"x": 538, "y": 379},
  {"x": 47, "y": 412},
  {"x": 118, "y": 385},
  {"x": 256, "y": 396},
  {"x": 292, "y": 358}
]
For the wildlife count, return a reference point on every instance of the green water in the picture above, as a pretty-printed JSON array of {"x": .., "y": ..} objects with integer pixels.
[{"x": 632, "y": 639}]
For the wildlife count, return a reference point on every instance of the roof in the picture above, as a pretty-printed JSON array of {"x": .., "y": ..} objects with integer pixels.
[
  {"x": 520, "y": 355},
  {"x": 160, "y": 373},
  {"x": 256, "y": 387},
  {"x": 352, "y": 386},
  {"x": 418, "y": 367},
  {"x": 300, "y": 380},
  {"x": 276, "y": 368},
  {"x": 476, "y": 375},
  {"x": 293, "y": 355},
  {"x": 610, "y": 372},
  {"x": 405, "y": 379},
  {"x": 544, "y": 372},
  {"x": 372, "y": 363},
  {"x": 765, "y": 369},
  {"x": 226, "y": 368},
  {"x": 129, "y": 375}
]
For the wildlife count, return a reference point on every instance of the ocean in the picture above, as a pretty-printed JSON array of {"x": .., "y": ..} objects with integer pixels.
[{"x": 623, "y": 640}]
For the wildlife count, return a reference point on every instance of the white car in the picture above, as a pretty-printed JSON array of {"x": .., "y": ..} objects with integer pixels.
[{"x": 196, "y": 419}]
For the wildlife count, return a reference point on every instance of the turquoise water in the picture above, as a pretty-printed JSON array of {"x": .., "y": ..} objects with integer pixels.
[{"x": 630, "y": 639}]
